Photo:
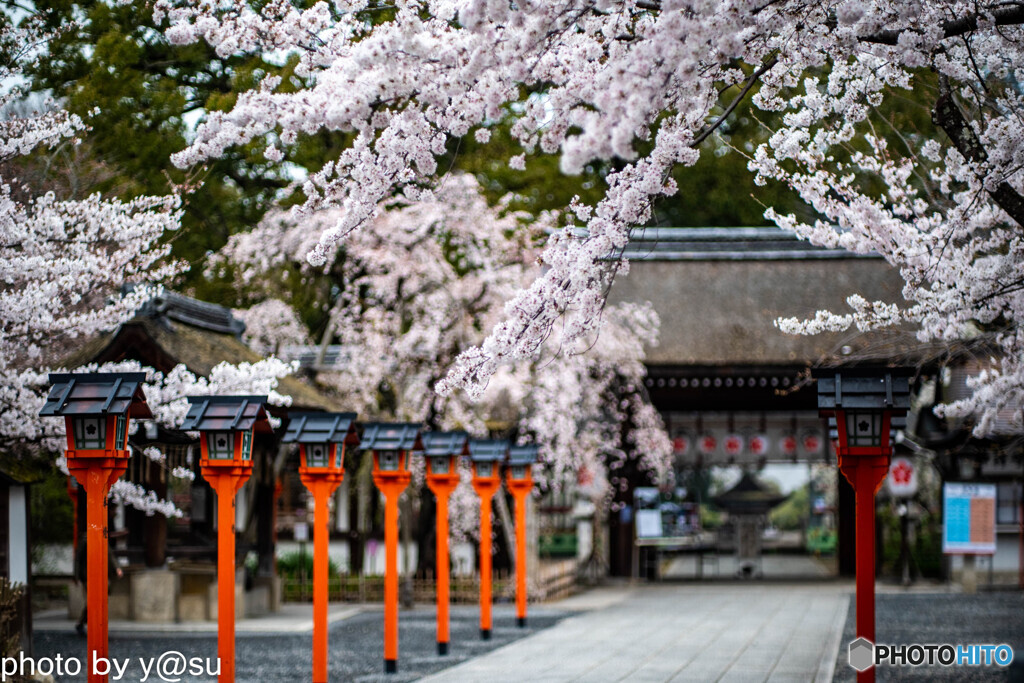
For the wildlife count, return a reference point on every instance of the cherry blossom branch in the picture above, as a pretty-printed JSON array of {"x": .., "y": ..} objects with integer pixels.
[{"x": 754, "y": 77}]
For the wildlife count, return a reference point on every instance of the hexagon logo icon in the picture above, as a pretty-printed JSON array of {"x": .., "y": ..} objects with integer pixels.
[{"x": 862, "y": 654}]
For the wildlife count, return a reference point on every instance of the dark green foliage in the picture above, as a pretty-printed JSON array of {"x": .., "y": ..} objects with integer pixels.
[
  {"x": 53, "y": 515},
  {"x": 290, "y": 565},
  {"x": 115, "y": 59},
  {"x": 792, "y": 513}
]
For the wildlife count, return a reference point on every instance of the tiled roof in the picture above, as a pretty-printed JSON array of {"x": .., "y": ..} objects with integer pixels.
[
  {"x": 321, "y": 428},
  {"x": 523, "y": 455},
  {"x": 226, "y": 413},
  {"x": 97, "y": 393},
  {"x": 391, "y": 436},
  {"x": 488, "y": 449},
  {"x": 726, "y": 244},
  {"x": 445, "y": 443},
  {"x": 201, "y": 314}
]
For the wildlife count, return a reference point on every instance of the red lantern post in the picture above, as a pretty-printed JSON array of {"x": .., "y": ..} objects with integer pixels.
[
  {"x": 519, "y": 481},
  {"x": 863, "y": 402},
  {"x": 391, "y": 443},
  {"x": 322, "y": 469},
  {"x": 487, "y": 456},
  {"x": 441, "y": 449},
  {"x": 226, "y": 425},
  {"x": 96, "y": 408}
]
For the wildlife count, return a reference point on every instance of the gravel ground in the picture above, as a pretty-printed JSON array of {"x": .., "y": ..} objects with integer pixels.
[
  {"x": 355, "y": 647},
  {"x": 926, "y": 618}
]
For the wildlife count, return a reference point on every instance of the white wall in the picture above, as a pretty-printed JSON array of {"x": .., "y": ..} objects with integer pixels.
[{"x": 18, "y": 530}]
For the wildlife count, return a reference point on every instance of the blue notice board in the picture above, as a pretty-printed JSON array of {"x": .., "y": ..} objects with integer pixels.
[{"x": 969, "y": 519}]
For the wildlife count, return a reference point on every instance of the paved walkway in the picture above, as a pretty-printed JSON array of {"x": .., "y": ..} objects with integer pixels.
[{"x": 729, "y": 632}]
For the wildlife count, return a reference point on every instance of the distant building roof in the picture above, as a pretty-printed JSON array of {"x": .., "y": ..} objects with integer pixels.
[
  {"x": 175, "y": 329},
  {"x": 726, "y": 244},
  {"x": 334, "y": 356},
  {"x": 718, "y": 292},
  {"x": 200, "y": 314}
]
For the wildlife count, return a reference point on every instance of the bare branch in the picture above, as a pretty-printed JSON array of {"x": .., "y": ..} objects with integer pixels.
[
  {"x": 947, "y": 115},
  {"x": 1005, "y": 16}
]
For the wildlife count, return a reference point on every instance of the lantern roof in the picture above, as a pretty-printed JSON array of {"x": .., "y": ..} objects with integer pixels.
[
  {"x": 322, "y": 428},
  {"x": 748, "y": 496},
  {"x": 97, "y": 393},
  {"x": 226, "y": 413},
  {"x": 863, "y": 388},
  {"x": 523, "y": 455},
  {"x": 445, "y": 443},
  {"x": 484, "y": 450},
  {"x": 391, "y": 436}
]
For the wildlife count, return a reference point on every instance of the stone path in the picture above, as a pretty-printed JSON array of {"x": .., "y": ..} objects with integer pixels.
[{"x": 728, "y": 632}]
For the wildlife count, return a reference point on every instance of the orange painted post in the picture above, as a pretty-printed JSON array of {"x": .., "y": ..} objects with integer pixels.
[
  {"x": 440, "y": 450},
  {"x": 226, "y": 484},
  {"x": 226, "y": 425},
  {"x": 486, "y": 491},
  {"x": 322, "y": 490},
  {"x": 96, "y": 408},
  {"x": 519, "y": 481},
  {"x": 442, "y": 486},
  {"x": 520, "y": 490},
  {"x": 487, "y": 456},
  {"x": 391, "y": 484},
  {"x": 322, "y": 469},
  {"x": 390, "y": 443}
]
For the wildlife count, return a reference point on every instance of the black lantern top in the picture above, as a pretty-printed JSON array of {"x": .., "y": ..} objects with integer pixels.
[
  {"x": 522, "y": 455},
  {"x": 96, "y": 393},
  {"x": 863, "y": 402},
  {"x": 391, "y": 436},
  {"x": 488, "y": 450},
  {"x": 322, "y": 428},
  {"x": 863, "y": 389},
  {"x": 440, "y": 444},
  {"x": 226, "y": 414}
]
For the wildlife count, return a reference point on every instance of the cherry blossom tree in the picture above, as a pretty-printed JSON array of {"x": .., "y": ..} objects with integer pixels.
[
  {"x": 424, "y": 283},
  {"x": 642, "y": 83},
  {"x": 62, "y": 264}
]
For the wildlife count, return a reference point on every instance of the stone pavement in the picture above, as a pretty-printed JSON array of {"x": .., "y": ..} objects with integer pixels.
[
  {"x": 278, "y": 648},
  {"x": 930, "y": 614},
  {"x": 752, "y": 631}
]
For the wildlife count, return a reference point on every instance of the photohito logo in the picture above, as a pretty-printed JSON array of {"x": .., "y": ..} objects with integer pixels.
[{"x": 863, "y": 654}]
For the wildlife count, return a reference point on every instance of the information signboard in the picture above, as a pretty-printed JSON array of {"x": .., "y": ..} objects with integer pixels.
[{"x": 969, "y": 519}]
